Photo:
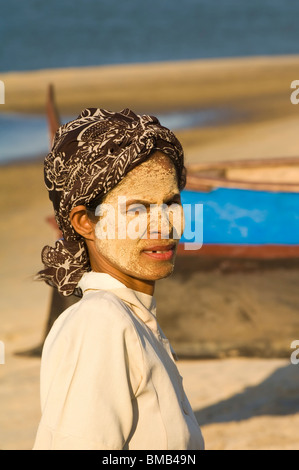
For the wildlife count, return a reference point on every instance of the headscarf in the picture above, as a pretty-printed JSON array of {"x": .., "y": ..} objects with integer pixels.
[{"x": 89, "y": 157}]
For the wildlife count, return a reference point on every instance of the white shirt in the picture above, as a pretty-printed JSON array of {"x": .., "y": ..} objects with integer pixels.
[{"x": 108, "y": 377}]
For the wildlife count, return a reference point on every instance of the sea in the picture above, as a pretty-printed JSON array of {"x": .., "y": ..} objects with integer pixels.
[{"x": 38, "y": 34}]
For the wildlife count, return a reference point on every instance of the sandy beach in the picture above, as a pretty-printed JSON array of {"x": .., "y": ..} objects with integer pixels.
[{"x": 241, "y": 401}]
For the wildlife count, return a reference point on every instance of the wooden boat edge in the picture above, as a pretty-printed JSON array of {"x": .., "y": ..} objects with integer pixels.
[
  {"x": 266, "y": 252},
  {"x": 206, "y": 184}
]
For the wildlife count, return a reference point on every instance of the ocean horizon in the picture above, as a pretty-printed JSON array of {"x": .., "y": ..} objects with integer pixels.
[{"x": 58, "y": 34}]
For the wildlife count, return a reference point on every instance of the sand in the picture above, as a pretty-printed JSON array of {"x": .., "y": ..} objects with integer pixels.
[{"x": 242, "y": 401}]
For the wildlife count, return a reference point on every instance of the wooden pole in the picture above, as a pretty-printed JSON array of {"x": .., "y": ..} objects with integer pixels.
[{"x": 58, "y": 302}]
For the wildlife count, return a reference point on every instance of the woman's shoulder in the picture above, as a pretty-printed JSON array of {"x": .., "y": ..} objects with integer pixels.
[
  {"x": 89, "y": 331},
  {"x": 95, "y": 309}
]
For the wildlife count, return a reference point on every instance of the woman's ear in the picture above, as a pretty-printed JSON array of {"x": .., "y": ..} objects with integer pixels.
[{"x": 81, "y": 222}]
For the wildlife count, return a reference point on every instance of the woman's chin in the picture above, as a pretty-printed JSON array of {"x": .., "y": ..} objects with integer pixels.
[{"x": 154, "y": 273}]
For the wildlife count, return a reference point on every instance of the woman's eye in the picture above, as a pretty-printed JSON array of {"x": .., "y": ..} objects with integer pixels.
[{"x": 135, "y": 207}]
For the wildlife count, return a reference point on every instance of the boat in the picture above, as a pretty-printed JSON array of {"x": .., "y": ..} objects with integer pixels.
[{"x": 250, "y": 208}]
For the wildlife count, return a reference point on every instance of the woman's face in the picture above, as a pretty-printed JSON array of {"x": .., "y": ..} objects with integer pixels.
[{"x": 143, "y": 218}]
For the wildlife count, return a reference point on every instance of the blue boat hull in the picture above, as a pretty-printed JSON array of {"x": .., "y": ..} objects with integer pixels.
[{"x": 242, "y": 217}]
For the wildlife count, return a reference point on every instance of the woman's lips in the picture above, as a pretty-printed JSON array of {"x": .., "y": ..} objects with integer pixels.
[{"x": 161, "y": 252}]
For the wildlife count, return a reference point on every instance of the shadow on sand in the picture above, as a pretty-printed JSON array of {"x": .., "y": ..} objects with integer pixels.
[{"x": 277, "y": 395}]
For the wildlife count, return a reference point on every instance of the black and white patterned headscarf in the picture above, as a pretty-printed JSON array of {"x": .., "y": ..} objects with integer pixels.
[{"x": 89, "y": 157}]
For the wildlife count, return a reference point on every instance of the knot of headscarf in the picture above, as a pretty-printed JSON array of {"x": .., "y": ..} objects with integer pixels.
[{"x": 89, "y": 157}]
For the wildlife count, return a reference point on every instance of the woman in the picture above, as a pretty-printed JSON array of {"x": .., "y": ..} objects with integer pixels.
[{"x": 108, "y": 377}]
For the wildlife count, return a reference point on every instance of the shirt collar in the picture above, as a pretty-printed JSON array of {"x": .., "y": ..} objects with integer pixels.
[
  {"x": 93, "y": 280},
  {"x": 145, "y": 303}
]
